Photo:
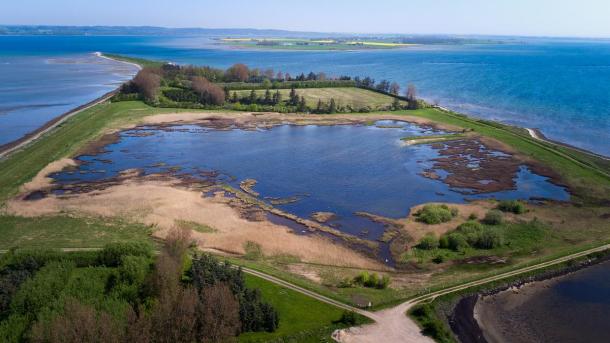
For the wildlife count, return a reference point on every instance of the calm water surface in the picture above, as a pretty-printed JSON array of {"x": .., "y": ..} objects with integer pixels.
[
  {"x": 340, "y": 169},
  {"x": 576, "y": 308}
]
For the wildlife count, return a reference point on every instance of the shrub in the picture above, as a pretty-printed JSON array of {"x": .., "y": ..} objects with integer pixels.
[
  {"x": 438, "y": 259},
  {"x": 457, "y": 241},
  {"x": 475, "y": 235},
  {"x": 372, "y": 280},
  {"x": 443, "y": 242},
  {"x": 489, "y": 239},
  {"x": 493, "y": 217},
  {"x": 436, "y": 214},
  {"x": 348, "y": 318},
  {"x": 472, "y": 216},
  {"x": 429, "y": 242},
  {"x": 112, "y": 254},
  {"x": 514, "y": 206}
]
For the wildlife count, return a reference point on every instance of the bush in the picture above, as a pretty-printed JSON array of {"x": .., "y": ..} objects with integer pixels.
[
  {"x": 372, "y": 280},
  {"x": 113, "y": 253},
  {"x": 513, "y": 206},
  {"x": 489, "y": 239},
  {"x": 493, "y": 217},
  {"x": 475, "y": 235},
  {"x": 457, "y": 241},
  {"x": 348, "y": 318},
  {"x": 436, "y": 214},
  {"x": 429, "y": 242}
]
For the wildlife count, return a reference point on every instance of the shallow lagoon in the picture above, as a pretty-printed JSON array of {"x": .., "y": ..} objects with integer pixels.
[{"x": 341, "y": 169}]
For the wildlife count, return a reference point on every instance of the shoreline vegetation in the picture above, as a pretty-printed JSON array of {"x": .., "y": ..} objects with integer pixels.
[{"x": 587, "y": 176}]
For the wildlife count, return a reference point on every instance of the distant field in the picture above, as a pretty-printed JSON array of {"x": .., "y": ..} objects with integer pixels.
[
  {"x": 355, "y": 97},
  {"x": 313, "y": 44}
]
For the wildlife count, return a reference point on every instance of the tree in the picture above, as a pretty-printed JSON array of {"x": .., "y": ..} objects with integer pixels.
[
  {"x": 234, "y": 98},
  {"x": 208, "y": 92},
  {"x": 288, "y": 77},
  {"x": 294, "y": 98},
  {"x": 394, "y": 88},
  {"x": 332, "y": 107},
  {"x": 267, "y": 99},
  {"x": 268, "y": 74},
  {"x": 252, "y": 98},
  {"x": 238, "y": 72},
  {"x": 220, "y": 313},
  {"x": 311, "y": 76},
  {"x": 411, "y": 95},
  {"x": 321, "y": 77},
  {"x": 279, "y": 76},
  {"x": 147, "y": 82},
  {"x": 302, "y": 107},
  {"x": 320, "y": 107},
  {"x": 277, "y": 97},
  {"x": 396, "y": 104}
]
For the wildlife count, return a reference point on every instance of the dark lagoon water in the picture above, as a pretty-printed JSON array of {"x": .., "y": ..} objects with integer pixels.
[
  {"x": 573, "y": 308},
  {"x": 559, "y": 86},
  {"x": 339, "y": 169}
]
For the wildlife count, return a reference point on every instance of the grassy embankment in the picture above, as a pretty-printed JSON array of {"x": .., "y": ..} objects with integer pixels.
[
  {"x": 303, "y": 319},
  {"x": 355, "y": 97}
]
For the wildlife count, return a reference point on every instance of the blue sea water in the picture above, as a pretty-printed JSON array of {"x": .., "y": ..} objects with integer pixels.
[{"x": 559, "y": 86}]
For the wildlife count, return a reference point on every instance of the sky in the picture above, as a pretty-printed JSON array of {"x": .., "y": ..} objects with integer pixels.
[{"x": 583, "y": 18}]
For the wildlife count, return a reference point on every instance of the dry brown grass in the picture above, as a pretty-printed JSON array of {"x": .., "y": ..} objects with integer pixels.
[{"x": 161, "y": 204}]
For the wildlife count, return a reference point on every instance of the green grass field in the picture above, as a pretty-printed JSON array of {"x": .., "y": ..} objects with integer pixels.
[
  {"x": 56, "y": 232},
  {"x": 302, "y": 319},
  {"x": 355, "y": 97}
]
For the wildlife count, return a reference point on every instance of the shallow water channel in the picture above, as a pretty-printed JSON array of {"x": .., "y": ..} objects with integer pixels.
[{"x": 341, "y": 169}]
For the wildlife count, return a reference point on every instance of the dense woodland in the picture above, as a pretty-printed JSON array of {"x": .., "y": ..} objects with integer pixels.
[
  {"x": 211, "y": 88},
  {"x": 124, "y": 293}
]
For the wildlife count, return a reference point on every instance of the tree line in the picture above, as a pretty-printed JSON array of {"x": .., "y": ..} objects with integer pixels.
[
  {"x": 125, "y": 293},
  {"x": 206, "y": 87}
]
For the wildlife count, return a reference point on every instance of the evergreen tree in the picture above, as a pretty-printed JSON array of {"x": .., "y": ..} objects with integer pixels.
[
  {"x": 252, "y": 98},
  {"x": 302, "y": 107},
  {"x": 320, "y": 107},
  {"x": 396, "y": 104},
  {"x": 294, "y": 98},
  {"x": 234, "y": 99},
  {"x": 267, "y": 97},
  {"x": 332, "y": 107},
  {"x": 277, "y": 97}
]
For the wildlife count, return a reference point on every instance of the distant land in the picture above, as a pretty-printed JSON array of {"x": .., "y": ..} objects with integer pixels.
[{"x": 47, "y": 30}]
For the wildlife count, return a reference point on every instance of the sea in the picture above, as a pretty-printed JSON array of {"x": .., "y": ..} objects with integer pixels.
[{"x": 560, "y": 86}]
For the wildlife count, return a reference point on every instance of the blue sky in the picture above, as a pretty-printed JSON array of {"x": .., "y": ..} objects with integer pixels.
[{"x": 585, "y": 18}]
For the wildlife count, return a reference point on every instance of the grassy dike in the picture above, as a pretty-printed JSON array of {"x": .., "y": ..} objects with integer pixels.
[
  {"x": 432, "y": 315},
  {"x": 587, "y": 176}
]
